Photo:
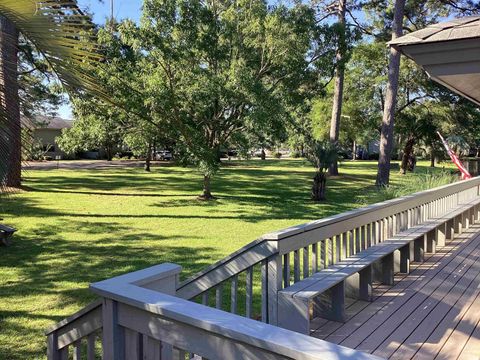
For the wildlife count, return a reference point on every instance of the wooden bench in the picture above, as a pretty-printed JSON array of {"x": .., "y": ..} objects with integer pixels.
[
  {"x": 325, "y": 291},
  {"x": 6, "y": 233}
]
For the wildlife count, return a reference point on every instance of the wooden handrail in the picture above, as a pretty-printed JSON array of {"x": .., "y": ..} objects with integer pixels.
[{"x": 297, "y": 237}]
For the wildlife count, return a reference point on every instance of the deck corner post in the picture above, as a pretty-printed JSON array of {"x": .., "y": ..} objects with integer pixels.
[
  {"x": 53, "y": 353},
  {"x": 274, "y": 285},
  {"x": 113, "y": 334}
]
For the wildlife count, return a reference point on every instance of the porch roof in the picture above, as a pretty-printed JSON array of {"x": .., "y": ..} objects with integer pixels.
[{"x": 449, "y": 52}]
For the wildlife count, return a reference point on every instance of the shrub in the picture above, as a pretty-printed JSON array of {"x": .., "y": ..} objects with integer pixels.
[{"x": 277, "y": 155}]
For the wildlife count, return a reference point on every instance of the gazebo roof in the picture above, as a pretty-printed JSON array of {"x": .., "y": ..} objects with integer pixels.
[{"x": 449, "y": 52}]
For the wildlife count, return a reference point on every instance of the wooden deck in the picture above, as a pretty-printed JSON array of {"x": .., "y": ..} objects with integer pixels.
[{"x": 432, "y": 313}]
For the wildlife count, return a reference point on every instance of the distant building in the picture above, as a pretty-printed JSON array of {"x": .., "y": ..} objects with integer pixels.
[{"x": 46, "y": 130}]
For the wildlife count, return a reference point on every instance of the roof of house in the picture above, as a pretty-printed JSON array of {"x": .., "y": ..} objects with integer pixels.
[
  {"x": 462, "y": 28},
  {"x": 47, "y": 122}
]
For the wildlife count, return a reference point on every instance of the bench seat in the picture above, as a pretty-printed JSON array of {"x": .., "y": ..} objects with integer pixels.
[{"x": 326, "y": 290}]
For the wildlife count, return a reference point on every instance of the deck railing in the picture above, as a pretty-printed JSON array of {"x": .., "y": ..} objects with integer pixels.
[
  {"x": 150, "y": 312},
  {"x": 279, "y": 259},
  {"x": 140, "y": 320}
]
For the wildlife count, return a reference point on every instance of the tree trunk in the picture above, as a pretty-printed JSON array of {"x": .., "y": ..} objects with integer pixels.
[
  {"x": 354, "y": 149},
  {"x": 109, "y": 153},
  {"x": 207, "y": 193},
  {"x": 339, "y": 81},
  {"x": 148, "y": 158},
  {"x": 432, "y": 156},
  {"x": 319, "y": 186},
  {"x": 386, "y": 138},
  {"x": 263, "y": 156},
  {"x": 407, "y": 154},
  {"x": 10, "y": 103}
]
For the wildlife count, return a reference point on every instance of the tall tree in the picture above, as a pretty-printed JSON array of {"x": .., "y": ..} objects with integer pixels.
[
  {"x": 386, "y": 137},
  {"x": 215, "y": 69},
  {"x": 339, "y": 80},
  {"x": 9, "y": 101}
]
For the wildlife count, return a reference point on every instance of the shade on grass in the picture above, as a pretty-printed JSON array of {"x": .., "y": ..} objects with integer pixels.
[{"x": 80, "y": 226}]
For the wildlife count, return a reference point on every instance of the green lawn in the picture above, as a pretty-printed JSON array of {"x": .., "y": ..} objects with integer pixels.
[{"x": 80, "y": 226}]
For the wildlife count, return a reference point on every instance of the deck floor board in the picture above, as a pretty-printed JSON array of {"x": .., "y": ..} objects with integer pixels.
[{"x": 434, "y": 312}]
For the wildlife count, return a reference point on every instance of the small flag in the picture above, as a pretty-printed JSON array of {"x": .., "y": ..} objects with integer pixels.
[{"x": 465, "y": 174}]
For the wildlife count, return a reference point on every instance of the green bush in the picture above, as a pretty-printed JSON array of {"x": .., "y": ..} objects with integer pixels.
[
  {"x": 277, "y": 155},
  {"x": 416, "y": 183}
]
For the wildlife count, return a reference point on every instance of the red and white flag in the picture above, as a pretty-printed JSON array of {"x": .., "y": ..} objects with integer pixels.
[{"x": 465, "y": 174}]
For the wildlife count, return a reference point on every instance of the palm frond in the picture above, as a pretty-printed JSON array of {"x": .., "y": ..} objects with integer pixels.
[{"x": 64, "y": 36}]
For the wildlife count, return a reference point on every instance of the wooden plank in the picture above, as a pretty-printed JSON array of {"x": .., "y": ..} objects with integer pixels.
[
  {"x": 431, "y": 346},
  {"x": 426, "y": 318},
  {"x": 354, "y": 332},
  {"x": 462, "y": 334},
  {"x": 377, "y": 335},
  {"x": 471, "y": 351}
]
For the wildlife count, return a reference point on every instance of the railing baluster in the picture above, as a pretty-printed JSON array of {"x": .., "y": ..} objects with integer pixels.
[
  {"x": 338, "y": 248},
  {"x": 296, "y": 266},
  {"x": 91, "y": 346},
  {"x": 286, "y": 270},
  {"x": 77, "y": 350},
  {"x": 249, "y": 292},
  {"x": 133, "y": 349},
  {"x": 314, "y": 258},
  {"x": 219, "y": 296},
  {"x": 205, "y": 298},
  {"x": 344, "y": 252},
  {"x": 264, "y": 303},
  {"x": 306, "y": 264},
  {"x": 234, "y": 294}
]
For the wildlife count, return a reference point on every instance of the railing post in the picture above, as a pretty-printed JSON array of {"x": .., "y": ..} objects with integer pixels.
[
  {"x": 113, "y": 334},
  {"x": 274, "y": 285},
  {"x": 53, "y": 353}
]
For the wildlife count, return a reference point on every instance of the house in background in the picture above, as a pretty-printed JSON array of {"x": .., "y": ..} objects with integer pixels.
[{"x": 46, "y": 130}]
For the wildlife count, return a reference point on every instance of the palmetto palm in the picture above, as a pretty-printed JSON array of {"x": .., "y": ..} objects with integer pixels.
[
  {"x": 322, "y": 155},
  {"x": 61, "y": 33}
]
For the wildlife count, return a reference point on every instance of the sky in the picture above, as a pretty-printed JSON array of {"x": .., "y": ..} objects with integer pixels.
[{"x": 101, "y": 10}]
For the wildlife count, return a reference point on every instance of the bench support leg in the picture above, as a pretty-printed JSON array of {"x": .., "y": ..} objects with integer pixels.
[
  {"x": 466, "y": 219},
  {"x": 396, "y": 261},
  {"x": 387, "y": 270},
  {"x": 338, "y": 302},
  {"x": 365, "y": 288},
  {"x": 332, "y": 307},
  {"x": 293, "y": 314},
  {"x": 405, "y": 258},
  {"x": 458, "y": 224},
  {"x": 419, "y": 249},
  {"x": 450, "y": 229},
  {"x": 431, "y": 242},
  {"x": 441, "y": 234}
]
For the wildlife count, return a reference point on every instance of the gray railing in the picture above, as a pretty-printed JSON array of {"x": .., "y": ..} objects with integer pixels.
[
  {"x": 150, "y": 313},
  {"x": 278, "y": 259}
]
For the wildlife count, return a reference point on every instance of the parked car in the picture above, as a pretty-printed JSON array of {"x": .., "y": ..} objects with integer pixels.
[{"x": 164, "y": 155}]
